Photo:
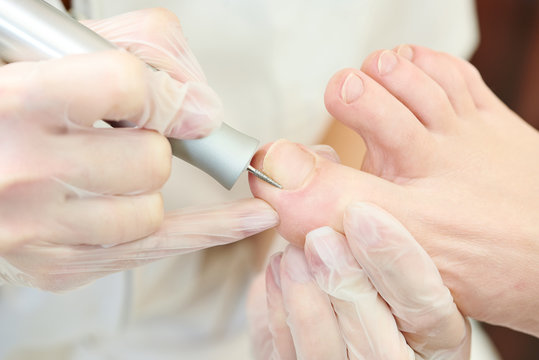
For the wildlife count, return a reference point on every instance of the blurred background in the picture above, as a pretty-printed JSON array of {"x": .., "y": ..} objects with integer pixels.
[
  {"x": 508, "y": 59},
  {"x": 508, "y": 54}
]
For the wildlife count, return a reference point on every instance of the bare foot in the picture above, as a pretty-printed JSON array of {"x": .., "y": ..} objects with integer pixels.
[{"x": 447, "y": 158}]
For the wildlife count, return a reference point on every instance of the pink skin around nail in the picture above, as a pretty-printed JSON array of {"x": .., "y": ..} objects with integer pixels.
[{"x": 316, "y": 201}]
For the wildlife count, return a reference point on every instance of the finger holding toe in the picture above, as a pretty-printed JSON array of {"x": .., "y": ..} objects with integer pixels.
[
  {"x": 326, "y": 152},
  {"x": 282, "y": 342},
  {"x": 257, "y": 315},
  {"x": 310, "y": 316},
  {"x": 407, "y": 279},
  {"x": 366, "y": 322}
]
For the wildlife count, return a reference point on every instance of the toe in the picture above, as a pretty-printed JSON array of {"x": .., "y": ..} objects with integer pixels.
[
  {"x": 413, "y": 87},
  {"x": 441, "y": 68},
  {"x": 315, "y": 190},
  {"x": 481, "y": 94},
  {"x": 395, "y": 139}
]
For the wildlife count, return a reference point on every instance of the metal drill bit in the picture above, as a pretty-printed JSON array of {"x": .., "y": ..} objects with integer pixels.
[{"x": 259, "y": 174}]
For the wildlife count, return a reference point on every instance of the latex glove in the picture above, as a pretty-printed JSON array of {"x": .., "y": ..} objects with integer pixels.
[
  {"x": 67, "y": 189},
  {"x": 63, "y": 266},
  {"x": 183, "y": 105},
  {"x": 375, "y": 294}
]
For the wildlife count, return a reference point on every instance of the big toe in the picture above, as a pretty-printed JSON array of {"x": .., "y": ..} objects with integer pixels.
[{"x": 315, "y": 190}]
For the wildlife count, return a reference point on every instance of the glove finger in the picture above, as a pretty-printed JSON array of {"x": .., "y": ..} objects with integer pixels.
[
  {"x": 311, "y": 318},
  {"x": 110, "y": 161},
  {"x": 112, "y": 85},
  {"x": 107, "y": 85},
  {"x": 283, "y": 344},
  {"x": 326, "y": 151},
  {"x": 155, "y": 36},
  {"x": 105, "y": 220},
  {"x": 192, "y": 229},
  {"x": 257, "y": 315},
  {"x": 75, "y": 217},
  {"x": 366, "y": 322},
  {"x": 102, "y": 221},
  {"x": 408, "y": 280},
  {"x": 62, "y": 267}
]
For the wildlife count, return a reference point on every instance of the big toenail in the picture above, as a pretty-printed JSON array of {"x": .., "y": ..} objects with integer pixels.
[
  {"x": 289, "y": 164},
  {"x": 406, "y": 52},
  {"x": 386, "y": 62},
  {"x": 352, "y": 88}
]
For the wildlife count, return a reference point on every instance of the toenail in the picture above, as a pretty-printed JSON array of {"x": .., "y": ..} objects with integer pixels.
[
  {"x": 289, "y": 164},
  {"x": 386, "y": 62},
  {"x": 352, "y": 88},
  {"x": 406, "y": 52}
]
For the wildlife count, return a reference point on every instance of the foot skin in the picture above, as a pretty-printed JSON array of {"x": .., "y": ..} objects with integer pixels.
[{"x": 447, "y": 158}]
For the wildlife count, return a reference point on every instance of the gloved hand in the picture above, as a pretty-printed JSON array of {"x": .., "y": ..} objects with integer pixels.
[
  {"x": 58, "y": 266},
  {"x": 180, "y": 102},
  {"x": 374, "y": 294},
  {"x": 69, "y": 191}
]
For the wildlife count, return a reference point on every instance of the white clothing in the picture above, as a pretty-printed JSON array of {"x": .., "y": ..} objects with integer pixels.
[{"x": 270, "y": 61}]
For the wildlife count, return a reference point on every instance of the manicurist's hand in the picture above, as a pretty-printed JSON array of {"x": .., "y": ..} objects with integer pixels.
[
  {"x": 78, "y": 202},
  {"x": 371, "y": 294}
]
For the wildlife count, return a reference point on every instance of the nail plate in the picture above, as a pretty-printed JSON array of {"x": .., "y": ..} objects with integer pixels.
[
  {"x": 386, "y": 62},
  {"x": 352, "y": 88},
  {"x": 406, "y": 52},
  {"x": 289, "y": 164}
]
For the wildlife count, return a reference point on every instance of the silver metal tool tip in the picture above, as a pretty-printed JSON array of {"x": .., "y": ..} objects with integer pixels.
[{"x": 259, "y": 174}]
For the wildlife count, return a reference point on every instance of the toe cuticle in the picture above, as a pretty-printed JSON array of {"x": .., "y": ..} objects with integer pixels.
[
  {"x": 352, "y": 88},
  {"x": 386, "y": 62}
]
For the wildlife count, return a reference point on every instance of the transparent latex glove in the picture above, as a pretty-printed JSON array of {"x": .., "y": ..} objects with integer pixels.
[
  {"x": 374, "y": 294},
  {"x": 69, "y": 190},
  {"x": 183, "y": 105},
  {"x": 58, "y": 266}
]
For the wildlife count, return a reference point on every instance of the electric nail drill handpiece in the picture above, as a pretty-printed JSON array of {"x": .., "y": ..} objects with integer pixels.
[{"x": 32, "y": 30}]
